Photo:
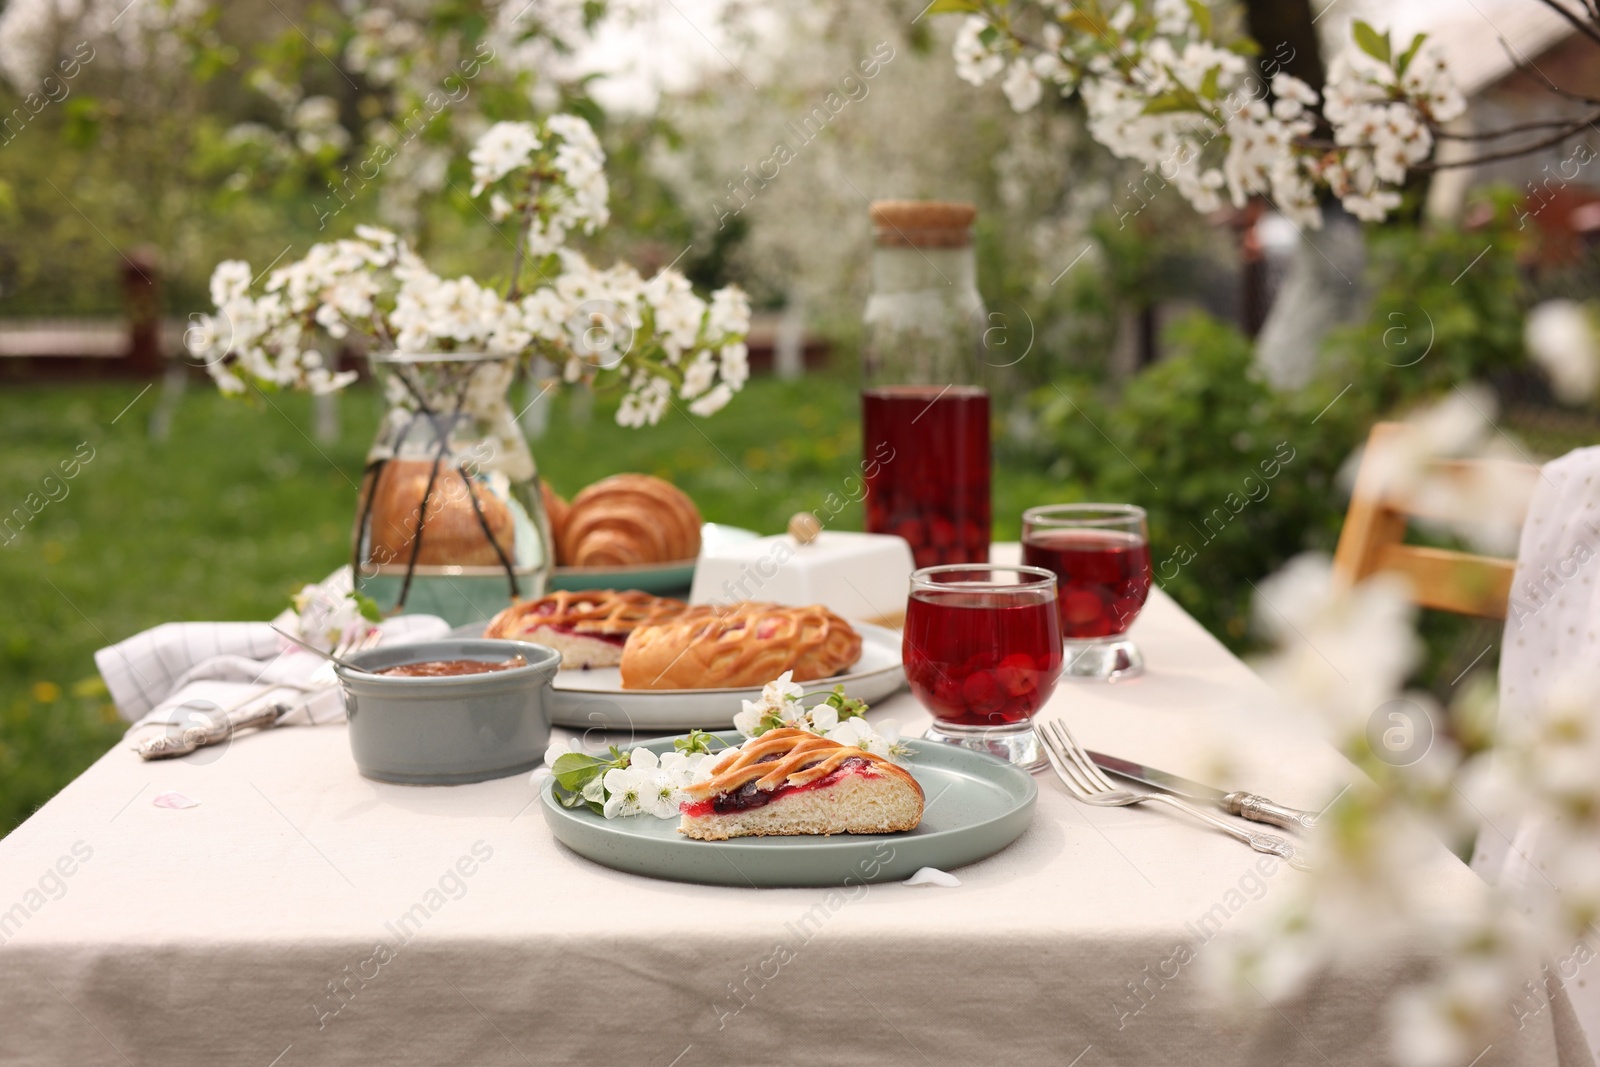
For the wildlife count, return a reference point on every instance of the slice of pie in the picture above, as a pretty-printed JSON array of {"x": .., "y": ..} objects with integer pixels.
[
  {"x": 793, "y": 782},
  {"x": 588, "y": 628}
]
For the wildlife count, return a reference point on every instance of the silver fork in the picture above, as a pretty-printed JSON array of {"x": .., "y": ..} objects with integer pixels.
[
  {"x": 216, "y": 726},
  {"x": 1089, "y": 784}
]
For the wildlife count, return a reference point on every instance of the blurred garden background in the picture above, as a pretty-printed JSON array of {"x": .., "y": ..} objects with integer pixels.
[{"x": 1141, "y": 351}]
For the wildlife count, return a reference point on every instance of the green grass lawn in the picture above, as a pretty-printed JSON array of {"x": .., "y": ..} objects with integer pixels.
[{"x": 227, "y": 517}]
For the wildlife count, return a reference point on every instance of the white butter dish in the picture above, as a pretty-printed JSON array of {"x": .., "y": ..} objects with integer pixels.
[{"x": 856, "y": 575}]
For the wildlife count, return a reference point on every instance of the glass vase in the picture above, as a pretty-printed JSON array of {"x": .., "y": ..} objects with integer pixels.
[{"x": 450, "y": 520}]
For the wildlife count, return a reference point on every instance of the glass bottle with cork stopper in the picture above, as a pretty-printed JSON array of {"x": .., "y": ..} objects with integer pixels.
[{"x": 924, "y": 413}]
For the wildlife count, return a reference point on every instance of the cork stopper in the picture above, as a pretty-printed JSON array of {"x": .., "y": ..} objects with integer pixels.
[
  {"x": 804, "y": 527},
  {"x": 923, "y": 223}
]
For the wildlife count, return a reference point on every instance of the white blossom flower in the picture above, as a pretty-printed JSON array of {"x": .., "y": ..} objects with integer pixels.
[
  {"x": 735, "y": 365},
  {"x": 503, "y": 148},
  {"x": 679, "y": 767},
  {"x": 884, "y": 740},
  {"x": 824, "y": 717},
  {"x": 698, "y": 376},
  {"x": 328, "y": 613},
  {"x": 660, "y": 795},
  {"x": 729, "y": 313},
  {"x": 706, "y": 768},
  {"x": 782, "y": 690},
  {"x": 748, "y": 720},
  {"x": 1021, "y": 85},
  {"x": 626, "y": 787},
  {"x": 976, "y": 62},
  {"x": 229, "y": 281},
  {"x": 1560, "y": 336},
  {"x": 557, "y": 749},
  {"x": 713, "y": 401}
]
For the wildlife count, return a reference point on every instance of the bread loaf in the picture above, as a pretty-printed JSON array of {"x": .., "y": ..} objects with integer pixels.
[{"x": 744, "y": 646}]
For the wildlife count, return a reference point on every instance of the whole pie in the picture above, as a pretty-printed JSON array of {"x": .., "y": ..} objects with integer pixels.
[
  {"x": 791, "y": 781},
  {"x": 589, "y": 629},
  {"x": 738, "y": 646}
]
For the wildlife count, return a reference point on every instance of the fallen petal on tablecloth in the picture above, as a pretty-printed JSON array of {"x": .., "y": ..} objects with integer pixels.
[{"x": 934, "y": 876}]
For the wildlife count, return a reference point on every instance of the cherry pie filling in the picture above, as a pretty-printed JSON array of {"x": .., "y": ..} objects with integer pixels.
[
  {"x": 539, "y": 620},
  {"x": 749, "y": 796}
]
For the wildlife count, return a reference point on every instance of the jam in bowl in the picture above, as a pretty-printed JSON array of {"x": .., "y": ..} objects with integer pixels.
[
  {"x": 444, "y": 668},
  {"x": 450, "y": 711}
]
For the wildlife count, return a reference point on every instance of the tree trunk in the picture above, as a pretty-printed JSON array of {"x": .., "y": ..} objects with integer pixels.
[{"x": 1288, "y": 38}]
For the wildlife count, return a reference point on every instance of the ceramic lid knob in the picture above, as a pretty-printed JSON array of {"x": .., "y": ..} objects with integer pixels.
[{"x": 804, "y": 527}]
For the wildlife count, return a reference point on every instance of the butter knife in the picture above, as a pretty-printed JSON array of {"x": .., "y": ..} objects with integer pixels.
[
  {"x": 1250, "y": 806},
  {"x": 208, "y": 728}
]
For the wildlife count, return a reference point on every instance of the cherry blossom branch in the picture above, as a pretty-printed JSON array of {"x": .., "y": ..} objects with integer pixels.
[
  {"x": 1582, "y": 26},
  {"x": 1522, "y": 127},
  {"x": 1510, "y": 153},
  {"x": 1528, "y": 68}
]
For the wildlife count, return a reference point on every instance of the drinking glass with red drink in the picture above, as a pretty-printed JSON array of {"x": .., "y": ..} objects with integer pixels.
[
  {"x": 1100, "y": 555},
  {"x": 982, "y": 651}
]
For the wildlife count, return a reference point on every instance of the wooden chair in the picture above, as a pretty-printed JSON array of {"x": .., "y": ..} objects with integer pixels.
[{"x": 1373, "y": 538}]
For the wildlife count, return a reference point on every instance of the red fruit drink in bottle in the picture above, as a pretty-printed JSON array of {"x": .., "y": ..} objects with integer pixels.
[{"x": 927, "y": 469}]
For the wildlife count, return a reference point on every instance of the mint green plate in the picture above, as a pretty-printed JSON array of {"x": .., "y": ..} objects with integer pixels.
[{"x": 975, "y": 805}]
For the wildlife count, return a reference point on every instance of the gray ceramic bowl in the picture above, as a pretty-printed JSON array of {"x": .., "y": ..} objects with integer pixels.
[{"x": 453, "y": 729}]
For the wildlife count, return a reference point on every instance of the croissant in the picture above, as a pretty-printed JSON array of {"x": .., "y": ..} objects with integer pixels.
[
  {"x": 629, "y": 519},
  {"x": 749, "y": 644},
  {"x": 555, "y": 509},
  {"x": 452, "y": 533},
  {"x": 791, "y": 781},
  {"x": 587, "y": 628}
]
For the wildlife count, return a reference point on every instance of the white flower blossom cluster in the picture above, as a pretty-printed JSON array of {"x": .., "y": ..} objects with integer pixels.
[
  {"x": 560, "y": 184},
  {"x": 655, "y": 336},
  {"x": 1380, "y": 116},
  {"x": 649, "y": 785},
  {"x": 1157, "y": 92},
  {"x": 780, "y": 699},
  {"x": 329, "y": 613}
]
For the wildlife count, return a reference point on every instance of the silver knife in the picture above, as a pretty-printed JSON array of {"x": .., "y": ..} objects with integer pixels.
[{"x": 1250, "y": 806}]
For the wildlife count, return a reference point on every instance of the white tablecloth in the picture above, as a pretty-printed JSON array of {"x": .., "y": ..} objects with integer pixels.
[{"x": 304, "y": 915}]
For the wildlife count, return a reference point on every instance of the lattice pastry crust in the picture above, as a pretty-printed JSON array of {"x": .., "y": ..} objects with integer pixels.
[
  {"x": 748, "y": 644},
  {"x": 869, "y": 794},
  {"x": 802, "y": 757},
  {"x": 601, "y": 613}
]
